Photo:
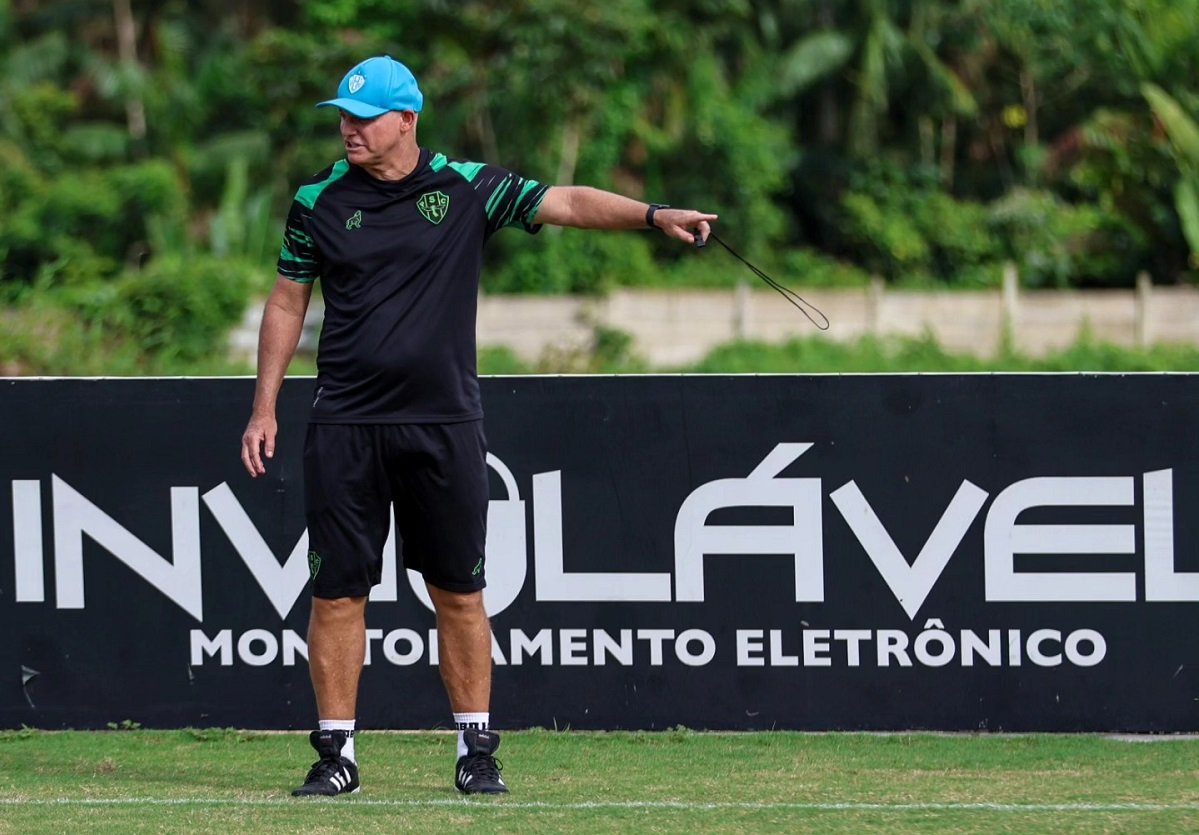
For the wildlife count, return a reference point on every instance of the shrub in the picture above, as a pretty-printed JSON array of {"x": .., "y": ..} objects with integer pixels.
[
  {"x": 819, "y": 355},
  {"x": 958, "y": 232},
  {"x": 82, "y": 226},
  {"x": 812, "y": 268},
  {"x": 900, "y": 225},
  {"x": 37, "y": 113},
  {"x": 610, "y": 352},
  {"x": 887, "y": 239},
  {"x": 500, "y": 359},
  {"x": 1056, "y": 244},
  {"x": 182, "y": 308},
  {"x": 571, "y": 261},
  {"x": 18, "y": 175}
]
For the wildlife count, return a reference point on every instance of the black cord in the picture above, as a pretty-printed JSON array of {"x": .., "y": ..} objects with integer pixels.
[{"x": 799, "y": 302}]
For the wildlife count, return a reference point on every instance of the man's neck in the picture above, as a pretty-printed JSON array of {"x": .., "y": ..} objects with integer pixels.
[{"x": 397, "y": 168}]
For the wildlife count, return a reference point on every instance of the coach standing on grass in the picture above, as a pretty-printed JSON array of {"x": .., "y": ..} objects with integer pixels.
[{"x": 395, "y": 233}]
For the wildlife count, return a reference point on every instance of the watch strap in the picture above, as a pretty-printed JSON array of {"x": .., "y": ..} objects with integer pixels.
[{"x": 649, "y": 213}]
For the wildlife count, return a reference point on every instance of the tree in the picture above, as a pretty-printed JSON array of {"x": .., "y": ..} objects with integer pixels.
[{"x": 884, "y": 54}]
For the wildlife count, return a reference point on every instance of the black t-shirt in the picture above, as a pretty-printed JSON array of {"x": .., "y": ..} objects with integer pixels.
[{"x": 399, "y": 265}]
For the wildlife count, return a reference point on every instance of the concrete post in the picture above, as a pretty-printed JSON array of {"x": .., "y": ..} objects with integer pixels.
[
  {"x": 1144, "y": 290},
  {"x": 741, "y": 311},
  {"x": 1009, "y": 303},
  {"x": 874, "y": 305}
]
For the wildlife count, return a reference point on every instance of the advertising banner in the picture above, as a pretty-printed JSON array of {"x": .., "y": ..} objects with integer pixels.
[{"x": 867, "y": 552}]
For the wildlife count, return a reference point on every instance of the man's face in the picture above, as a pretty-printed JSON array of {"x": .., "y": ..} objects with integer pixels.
[{"x": 371, "y": 141}]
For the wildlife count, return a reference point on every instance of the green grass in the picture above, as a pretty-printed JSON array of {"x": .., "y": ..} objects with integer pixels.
[
  {"x": 675, "y": 781},
  {"x": 869, "y": 354}
]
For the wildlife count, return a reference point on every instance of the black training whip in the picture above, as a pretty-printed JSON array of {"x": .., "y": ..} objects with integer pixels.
[{"x": 799, "y": 302}]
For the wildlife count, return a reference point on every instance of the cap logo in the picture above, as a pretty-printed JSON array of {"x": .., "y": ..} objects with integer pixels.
[{"x": 356, "y": 82}]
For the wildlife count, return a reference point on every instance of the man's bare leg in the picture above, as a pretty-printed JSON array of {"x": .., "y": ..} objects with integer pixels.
[
  {"x": 464, "y": 644},
  {"x": 464, "y": 648},
  {"x": 336, "y": 651}
]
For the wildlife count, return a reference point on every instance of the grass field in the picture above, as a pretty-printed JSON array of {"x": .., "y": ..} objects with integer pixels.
[{"x": 230, "y": 781}]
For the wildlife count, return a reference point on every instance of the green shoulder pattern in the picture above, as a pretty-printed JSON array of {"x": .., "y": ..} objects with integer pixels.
[
  {"x": 508, "y": 198},
  {"x": 298, "y": 258},
  {"x": 308, "y": 194}
]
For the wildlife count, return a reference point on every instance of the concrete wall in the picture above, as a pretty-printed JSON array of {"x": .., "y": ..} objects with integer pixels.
[{"x": 678, "y": 327}]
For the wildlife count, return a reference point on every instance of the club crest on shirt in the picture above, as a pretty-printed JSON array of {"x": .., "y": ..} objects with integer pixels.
[
  {"x": 434, "y": 206},
  {"x": 354, "y": 221}
]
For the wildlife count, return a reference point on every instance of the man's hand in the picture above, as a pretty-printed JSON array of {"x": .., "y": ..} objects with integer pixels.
[
  {"x": 684, "y": 224},
  {"x": 257, "y": 442}
]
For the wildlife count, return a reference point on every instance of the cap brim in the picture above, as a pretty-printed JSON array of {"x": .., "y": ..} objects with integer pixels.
[{"x": 355, "y": 108}]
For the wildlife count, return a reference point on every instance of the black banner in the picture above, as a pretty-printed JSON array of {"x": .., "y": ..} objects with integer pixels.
[{"x": 974, "y": 552}]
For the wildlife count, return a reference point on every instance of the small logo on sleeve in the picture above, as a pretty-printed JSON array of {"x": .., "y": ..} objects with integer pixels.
[
  {"x": 434, "y": 206},
  {"x": 354, "y": 221},
  {"x": 314, "y": 563}
]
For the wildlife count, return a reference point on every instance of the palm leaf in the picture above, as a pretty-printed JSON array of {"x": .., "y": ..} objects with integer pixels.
[
  {"x": 961, "y": 100},
  {"x": 1186, "y": 199},
  {"x": 1181, "y": 128},
  {"x": 872, "y": 80},
  {"x": 41, "y": 58},
  {"x": 872, "y": 90},
  {"x": 814, "y": 58}
]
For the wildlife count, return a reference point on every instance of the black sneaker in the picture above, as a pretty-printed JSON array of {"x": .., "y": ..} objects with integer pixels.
[
  {"x": 332, "y": 774},
  {"x": 479, "y": 771}
]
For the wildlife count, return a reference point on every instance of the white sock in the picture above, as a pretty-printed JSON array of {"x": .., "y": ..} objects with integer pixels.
[
  {"x": 474, "y": 721},
  {"x": 346, "y": 725}
]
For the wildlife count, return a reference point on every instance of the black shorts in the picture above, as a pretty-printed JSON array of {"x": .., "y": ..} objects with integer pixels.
[{"x": 435, "y": 476}]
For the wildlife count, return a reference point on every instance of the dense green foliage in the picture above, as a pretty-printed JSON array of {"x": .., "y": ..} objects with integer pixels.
[{"x": 926, "y": 142}]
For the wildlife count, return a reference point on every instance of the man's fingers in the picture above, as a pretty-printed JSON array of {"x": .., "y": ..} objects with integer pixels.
[
  {"x": 253, "y": 444},
  {"x": 256, "y": 442},
  {"x": 247, "y": 461},
  {"x": 684, "y": 222},
  {"x": 249, "y": 456}
]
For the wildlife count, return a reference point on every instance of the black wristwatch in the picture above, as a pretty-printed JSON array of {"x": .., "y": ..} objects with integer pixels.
[{"x": 649, "y": 213}]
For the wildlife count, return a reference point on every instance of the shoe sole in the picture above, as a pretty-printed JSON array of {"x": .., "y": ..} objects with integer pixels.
[
  {"x": 481, "y": 791},
  {"x": 320, "y": 794}
]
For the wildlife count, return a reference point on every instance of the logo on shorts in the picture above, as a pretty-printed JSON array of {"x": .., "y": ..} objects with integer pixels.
[
  {"x": 314, "y": 563},
  {"x": 354, "y": 221},
  {"x": 478, "y": 568},
  {"x": 434, "y": 206}
]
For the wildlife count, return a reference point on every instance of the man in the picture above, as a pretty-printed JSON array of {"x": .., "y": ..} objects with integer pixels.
[{"x": 395, "y": 234}]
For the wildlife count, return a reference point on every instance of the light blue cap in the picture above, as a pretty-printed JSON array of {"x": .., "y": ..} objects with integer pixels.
[{"x": 376, "y": 86}]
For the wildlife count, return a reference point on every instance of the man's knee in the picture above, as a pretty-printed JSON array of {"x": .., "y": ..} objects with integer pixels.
[
  {"x": 455, "y": 604},
  {"x": 338, "y": 610}
]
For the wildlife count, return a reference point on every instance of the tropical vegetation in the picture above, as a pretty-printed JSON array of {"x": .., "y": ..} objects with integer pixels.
[{"x": 149, "y": 151}]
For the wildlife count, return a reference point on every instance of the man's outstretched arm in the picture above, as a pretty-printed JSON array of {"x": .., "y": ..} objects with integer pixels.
[{"x": 591, "y": 208}]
